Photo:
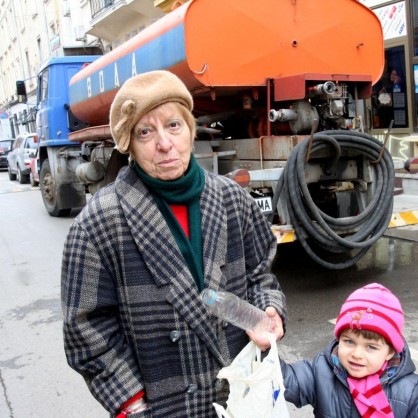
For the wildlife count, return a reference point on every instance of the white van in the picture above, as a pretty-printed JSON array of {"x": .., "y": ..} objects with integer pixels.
[{"x": 24, "y": 149}]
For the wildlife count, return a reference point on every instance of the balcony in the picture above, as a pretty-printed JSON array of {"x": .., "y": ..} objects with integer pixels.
[
  {"x": 100, "y": 6},
  {"x": 111, "y": 19},
  {"x": 168, "y": 5}
]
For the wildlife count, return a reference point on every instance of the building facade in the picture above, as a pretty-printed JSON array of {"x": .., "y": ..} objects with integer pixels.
[{"x": 33, "y": 31}]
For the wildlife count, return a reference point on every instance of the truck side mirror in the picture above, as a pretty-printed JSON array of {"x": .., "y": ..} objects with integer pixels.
[{"x": 21, "y": 91}]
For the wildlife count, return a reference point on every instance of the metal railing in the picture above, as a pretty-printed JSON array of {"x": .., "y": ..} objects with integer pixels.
[{"x": 99, "y": 6}]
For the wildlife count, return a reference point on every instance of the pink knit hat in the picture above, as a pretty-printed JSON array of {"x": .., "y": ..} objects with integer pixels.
[{"x": 373, "y": 308}]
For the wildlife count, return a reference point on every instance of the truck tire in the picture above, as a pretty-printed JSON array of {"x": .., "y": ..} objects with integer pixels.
[{"x": 49, "y": 192}]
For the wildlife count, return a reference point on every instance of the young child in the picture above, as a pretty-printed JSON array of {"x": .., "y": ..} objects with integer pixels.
[{"x": 367, "y": 371}]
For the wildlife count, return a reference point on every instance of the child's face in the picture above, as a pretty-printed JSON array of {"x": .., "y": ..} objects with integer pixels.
[{"x": 362, "y": 356}]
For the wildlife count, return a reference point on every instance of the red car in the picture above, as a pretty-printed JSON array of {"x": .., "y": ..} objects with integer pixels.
[{"x": 34, "y": 170}]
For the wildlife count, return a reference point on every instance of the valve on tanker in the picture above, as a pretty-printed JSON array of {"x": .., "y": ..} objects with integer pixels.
[
  {"x": 326, "y": 88},
  {"x": 333, "y": 110},
  {"x": 337, "y": 107},
  {"x": 282, "y": 115},
  {"x": 302, "y": 116}
]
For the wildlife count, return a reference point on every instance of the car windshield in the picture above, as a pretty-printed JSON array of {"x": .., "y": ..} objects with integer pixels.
[
  {"x": 32, "y": 144},
  {"x": 5, "y": 146}
]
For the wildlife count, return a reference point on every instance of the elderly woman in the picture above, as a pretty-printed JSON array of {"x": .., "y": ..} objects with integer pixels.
[{"x": 138, "y": 255}]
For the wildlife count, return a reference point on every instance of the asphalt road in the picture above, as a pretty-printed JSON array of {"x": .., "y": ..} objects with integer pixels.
[{"x": 35, "y": 380}]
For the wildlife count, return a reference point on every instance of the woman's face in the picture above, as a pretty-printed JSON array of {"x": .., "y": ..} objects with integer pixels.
[
  {"x": 393, "y": 76},
  {"x": 162, "y": 142},
  {"x": 361, "y": 356}
]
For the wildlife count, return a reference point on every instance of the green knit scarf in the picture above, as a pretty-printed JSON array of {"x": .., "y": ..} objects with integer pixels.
[{"x": 185, "y": 191}]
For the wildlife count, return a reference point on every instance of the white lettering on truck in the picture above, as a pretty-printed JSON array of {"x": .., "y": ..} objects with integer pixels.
[
  {"x": 133, "y": 65},
  {"x": 101, "y": 81},
  {"x": 88, "y": 87},
  {"x": 117, "y": 84}
]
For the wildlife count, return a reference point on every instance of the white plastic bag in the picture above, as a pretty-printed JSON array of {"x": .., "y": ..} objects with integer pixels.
[{"x": 256, "y": 387}]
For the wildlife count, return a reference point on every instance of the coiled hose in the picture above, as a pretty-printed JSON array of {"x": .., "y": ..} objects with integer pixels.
[{"x": 325, "y": 231}]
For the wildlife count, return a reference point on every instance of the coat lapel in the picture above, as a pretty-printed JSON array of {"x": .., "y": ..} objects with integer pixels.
[
  {"x": 214, "y": 234},
  {"x": 149, "y": 229},
  {"x": 163, "y": 258}
]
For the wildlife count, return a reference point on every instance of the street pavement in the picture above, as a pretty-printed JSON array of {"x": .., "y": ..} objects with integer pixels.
[
  {"x": 405, "y": 203},
  {"x": 33, "y": 372}
]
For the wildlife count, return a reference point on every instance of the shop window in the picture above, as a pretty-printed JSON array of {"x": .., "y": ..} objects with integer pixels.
[
  {"x": 415, "y": 25},
  {"x": 389, "y": 100}
]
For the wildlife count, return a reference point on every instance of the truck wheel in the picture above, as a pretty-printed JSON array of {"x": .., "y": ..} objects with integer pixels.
[
  {"x": 49, "y": 192},
  {"x": 12, "y": 176}
]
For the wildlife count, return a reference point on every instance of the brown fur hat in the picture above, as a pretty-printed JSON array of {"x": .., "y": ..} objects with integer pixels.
[{"x": 139, "y": 95}]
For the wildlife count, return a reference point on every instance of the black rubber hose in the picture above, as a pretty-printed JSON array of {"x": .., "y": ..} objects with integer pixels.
[{"x": 323, "y": 230}]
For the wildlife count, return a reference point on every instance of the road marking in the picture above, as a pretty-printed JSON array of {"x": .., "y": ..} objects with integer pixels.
[{"x": 19, "y": 189}]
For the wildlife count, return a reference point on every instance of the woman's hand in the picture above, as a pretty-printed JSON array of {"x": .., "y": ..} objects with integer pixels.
[{"x": 277, "y": 330}]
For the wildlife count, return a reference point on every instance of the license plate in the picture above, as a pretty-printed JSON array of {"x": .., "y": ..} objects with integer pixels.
[{"x": 265, "y": 204}]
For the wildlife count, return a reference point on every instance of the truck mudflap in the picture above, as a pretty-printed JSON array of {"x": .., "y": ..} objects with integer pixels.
[{"x": 71, "y": 195}]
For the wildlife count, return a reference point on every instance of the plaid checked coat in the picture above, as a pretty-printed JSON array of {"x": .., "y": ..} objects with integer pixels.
[{"x": 132, "y": 314}]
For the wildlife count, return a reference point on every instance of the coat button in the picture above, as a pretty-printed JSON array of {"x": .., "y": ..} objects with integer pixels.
[
  {"x": 175, "y": 336},
  {"x": 224, "y": 324},
  {"x": 192, "y": 388},
  {"x": 219, "y": 384}
]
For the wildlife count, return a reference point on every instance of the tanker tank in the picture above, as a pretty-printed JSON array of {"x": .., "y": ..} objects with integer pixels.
[{"x": 223, "y": 47}]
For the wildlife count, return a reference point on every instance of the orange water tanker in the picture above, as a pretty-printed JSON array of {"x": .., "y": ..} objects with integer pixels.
[{"x": 221, "y": 47}]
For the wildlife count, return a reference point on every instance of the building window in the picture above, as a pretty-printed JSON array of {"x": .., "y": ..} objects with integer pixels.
[
  {"x": 416, "y": 91},
  {"x": 40, "y": 55},
  {"x": 389, "y": 93},
  {"x": 27, "y": 63},
  {"x": 415, "y": 25}
]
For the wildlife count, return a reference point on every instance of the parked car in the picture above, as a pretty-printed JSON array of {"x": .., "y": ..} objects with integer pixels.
[
  {"x": 23, "y": 151},
  {"x": 6, "y": 146},
  {"x": 34, "y": 170}
]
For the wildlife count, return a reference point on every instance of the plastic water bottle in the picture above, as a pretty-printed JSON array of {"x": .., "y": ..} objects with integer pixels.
[{"x": 231, "y": 308}]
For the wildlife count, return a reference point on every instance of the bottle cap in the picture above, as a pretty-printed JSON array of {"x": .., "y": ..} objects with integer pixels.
[{"x": 208, "y": 296}]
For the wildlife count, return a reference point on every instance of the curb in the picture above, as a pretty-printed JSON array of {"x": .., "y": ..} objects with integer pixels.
[{"x": 403, "y": 219}]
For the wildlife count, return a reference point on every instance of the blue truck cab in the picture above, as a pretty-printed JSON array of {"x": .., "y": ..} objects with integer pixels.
[
  {"x": 60, "y": 189},
  {"x": 54, "y": 122}
]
